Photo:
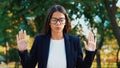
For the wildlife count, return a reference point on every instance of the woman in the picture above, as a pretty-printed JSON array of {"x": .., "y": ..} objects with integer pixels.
[{"x": 56, "y": 48}]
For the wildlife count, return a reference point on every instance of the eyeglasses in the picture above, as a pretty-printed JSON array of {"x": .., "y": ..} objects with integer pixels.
[{"x": 55, "y": 20}]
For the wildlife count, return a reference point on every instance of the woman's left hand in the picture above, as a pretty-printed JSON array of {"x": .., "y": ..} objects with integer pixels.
[{"x": 91, "y": 45}]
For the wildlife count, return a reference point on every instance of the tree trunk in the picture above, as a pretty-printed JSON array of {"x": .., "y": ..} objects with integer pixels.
[
  {"x": 98, "y": 59},
  {"x": 100, "y": 43},
  {"x": 118, "y": 63},
  {"x": 111, "y": 12}
]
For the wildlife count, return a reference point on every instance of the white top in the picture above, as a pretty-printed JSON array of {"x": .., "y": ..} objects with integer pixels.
[{"x": 57, "y": 54}]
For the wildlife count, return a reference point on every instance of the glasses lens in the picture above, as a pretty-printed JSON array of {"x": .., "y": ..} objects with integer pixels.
[{"x": 55, "y": 20}]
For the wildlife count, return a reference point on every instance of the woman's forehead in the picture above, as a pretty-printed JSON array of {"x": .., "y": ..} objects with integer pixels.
[{"x": 58, "y": 15}]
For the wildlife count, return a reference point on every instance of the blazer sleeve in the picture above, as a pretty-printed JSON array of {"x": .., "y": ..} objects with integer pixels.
[
  {"x": 84, "y": 62},
  {"x": 29, "y": 60}
]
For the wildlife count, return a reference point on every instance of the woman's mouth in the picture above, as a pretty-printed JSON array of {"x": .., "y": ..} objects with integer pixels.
[{"x": 57, "y": 28}]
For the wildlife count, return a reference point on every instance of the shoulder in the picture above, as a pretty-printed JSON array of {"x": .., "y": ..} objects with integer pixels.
[
  {"x": 40, "y": 36},
  {"x": 73, "y": 37},
  {"x": 75, "y": 41}
]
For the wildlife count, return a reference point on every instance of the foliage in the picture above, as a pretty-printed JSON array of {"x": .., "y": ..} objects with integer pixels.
[
  {"x": 14, "y": 16},
  {"x": 29, "y": 15}
]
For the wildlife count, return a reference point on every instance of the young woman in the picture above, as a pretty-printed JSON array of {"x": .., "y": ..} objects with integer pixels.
[{"x": 56, "y": 48}]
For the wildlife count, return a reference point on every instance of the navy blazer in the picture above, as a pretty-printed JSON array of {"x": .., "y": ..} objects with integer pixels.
[{"x": 40, "y": 51}]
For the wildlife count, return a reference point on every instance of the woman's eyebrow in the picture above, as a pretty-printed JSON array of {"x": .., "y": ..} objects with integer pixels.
[{"x": 58, "y": 18}]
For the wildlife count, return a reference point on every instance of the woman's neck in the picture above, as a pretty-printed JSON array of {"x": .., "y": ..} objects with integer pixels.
[{"x": 57, "y": 36}]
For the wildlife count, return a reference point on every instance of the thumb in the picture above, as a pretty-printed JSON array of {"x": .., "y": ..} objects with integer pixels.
[
  {"x": 85, "y": 43},
  {"x": 28, "y": 39}
]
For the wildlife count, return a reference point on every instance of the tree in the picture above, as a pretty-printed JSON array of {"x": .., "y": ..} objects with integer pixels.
[
  {"x": 15, "y": 15},
  {"x": 105, "y": 10},
  {"x": 112, "y": 9}
]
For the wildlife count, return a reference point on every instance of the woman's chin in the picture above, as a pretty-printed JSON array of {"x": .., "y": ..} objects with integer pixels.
[{"x": 58, "y": 31}]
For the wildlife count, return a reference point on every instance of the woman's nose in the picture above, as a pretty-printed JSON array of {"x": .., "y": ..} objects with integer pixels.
[{"x": 58, "y": 22}]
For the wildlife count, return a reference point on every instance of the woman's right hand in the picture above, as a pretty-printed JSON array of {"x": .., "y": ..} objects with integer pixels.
[{"x": 22, "y": 42}]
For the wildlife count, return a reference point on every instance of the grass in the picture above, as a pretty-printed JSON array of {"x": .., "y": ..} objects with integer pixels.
[
  {"x": 104, "y": 65},
  {"x": 9, "y": 65},
  {"x": 94, "y": 65}
]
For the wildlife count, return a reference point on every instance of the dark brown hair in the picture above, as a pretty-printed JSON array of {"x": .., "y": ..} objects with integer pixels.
[{"x": 54, "y": 8}]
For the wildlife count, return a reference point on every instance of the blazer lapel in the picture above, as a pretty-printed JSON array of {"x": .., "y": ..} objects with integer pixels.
[
  {"x": 46, "y": 45},
  {"x": 67, "y": 49}
]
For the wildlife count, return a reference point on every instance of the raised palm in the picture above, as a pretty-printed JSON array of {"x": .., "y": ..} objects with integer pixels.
[
  {"x": 91, "y": 45},
  {"x": 22, "y": 42}
]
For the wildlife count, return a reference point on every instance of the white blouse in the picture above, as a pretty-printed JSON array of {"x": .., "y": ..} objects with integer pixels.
[{"x": 57, "y": 54}]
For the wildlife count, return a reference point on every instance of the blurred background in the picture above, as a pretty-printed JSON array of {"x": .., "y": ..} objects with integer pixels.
[{"x": 99, "y": 16}]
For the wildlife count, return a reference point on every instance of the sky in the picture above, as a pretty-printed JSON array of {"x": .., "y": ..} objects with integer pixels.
[
  {"x": 118, "y": 3},
  {"x": 84, "y": 25}
]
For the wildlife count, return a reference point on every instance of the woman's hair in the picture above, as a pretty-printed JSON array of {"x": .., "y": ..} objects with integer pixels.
[{"x": 54, "y": 8}]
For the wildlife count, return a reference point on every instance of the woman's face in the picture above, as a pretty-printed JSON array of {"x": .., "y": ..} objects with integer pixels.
[{"x": 57, "y": 22}]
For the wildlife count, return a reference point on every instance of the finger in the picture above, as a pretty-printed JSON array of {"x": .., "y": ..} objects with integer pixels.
[
  {"x": 92, "y": 37},
  {"x": 94, "y": 44},
  {"x": 17, "y": 38},
  {"x": 95, "y": 41},
  {"x": 89, "y": 38},
  {"x": 24, "y": 33},
  {"x": 21, "y": 34}
]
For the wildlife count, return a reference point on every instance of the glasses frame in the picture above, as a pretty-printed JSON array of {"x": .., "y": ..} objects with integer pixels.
[{"x": 56, "y": 20}]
